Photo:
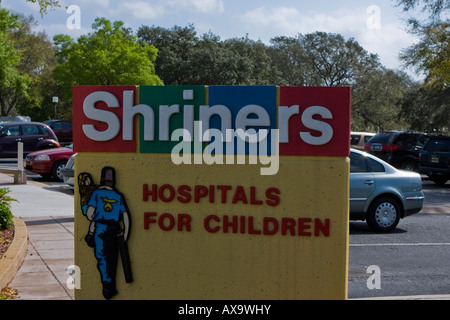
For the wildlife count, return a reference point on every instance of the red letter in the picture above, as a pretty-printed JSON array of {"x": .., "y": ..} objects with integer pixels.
[
  {"x": 171, "y": 221},
  {"x": 242, "y": 224},
  {"x": 266, "y": 230},
  {"x": 211, "y": 194},
  {"x": 233, "y": 224},
  {"x": 184, "y": 220},
  {"x": 287, "y": 224},
  {"x": 253, "y": 196},
  {"x": 319, "y": 227},
  {"x": 239, "y": 195},
  {"x": 184, "y": 196},
  {"x": 206, "y": 223},
  {"x": 152, "y": 192},
  {"x": 224, "y": 190},
  {"x": 200, "y": 192},
  {"x": 250, "y": 227},
  {"x": 274, "y": 199},
  {"x": 302, "y": 226},
  {"x": 171, "y": 193},
  {"x": 148, "y": 219}
]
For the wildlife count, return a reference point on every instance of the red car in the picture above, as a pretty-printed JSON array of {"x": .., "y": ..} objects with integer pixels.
[{"x": 48, "y": 163}]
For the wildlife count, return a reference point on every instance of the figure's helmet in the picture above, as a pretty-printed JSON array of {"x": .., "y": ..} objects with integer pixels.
[{"x": 108, "y": 177}]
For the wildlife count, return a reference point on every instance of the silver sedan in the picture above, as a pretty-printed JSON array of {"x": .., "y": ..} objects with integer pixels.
[{"x": 380, "y": 193}]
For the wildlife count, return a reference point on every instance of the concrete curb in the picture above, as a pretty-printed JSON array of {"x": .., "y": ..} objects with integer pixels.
[{"x": 14, "y": 256}]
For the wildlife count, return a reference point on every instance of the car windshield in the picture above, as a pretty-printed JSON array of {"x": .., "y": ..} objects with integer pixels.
[
  {"x": 381, "y": 137},
  {"x": 438, "y": 145}
]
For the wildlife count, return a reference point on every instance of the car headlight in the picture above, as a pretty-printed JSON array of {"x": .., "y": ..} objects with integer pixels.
[{"x": 42, "y": 157}]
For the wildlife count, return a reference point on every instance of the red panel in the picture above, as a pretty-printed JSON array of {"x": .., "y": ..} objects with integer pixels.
[
  {"x": 337, "y": 100},
  {"x": 80, "y": 141}
]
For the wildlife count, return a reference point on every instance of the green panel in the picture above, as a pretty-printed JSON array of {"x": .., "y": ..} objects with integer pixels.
[{"x": 154, "y": 96}]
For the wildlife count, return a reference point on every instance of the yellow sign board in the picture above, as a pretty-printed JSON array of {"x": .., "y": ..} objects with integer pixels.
[{"x": 153, "y": 225}]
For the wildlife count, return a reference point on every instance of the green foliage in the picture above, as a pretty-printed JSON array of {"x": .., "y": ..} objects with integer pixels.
[
  {"x": 315, "y": 59},
  {"x": 44, "y": 5},
  {"x": 37, "y": 61},
  {"x": 5, "y": 208},
  {"x": 185, "y": 58},
  {"x": 431, "y": 54},
  {"x": 427, "y": 108},
  {"x": 110, "y": 55},
  {"x": 32, "y": 69},
  {"x": 13, "y": 82}
]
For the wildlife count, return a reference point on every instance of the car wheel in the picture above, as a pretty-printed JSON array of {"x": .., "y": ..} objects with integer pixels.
[
  {"x": 383, "y": 215},
  {"x": 440, "y": 181},
  {"x": 56, "y": 170},
  {"x": 408, "y": 166}
]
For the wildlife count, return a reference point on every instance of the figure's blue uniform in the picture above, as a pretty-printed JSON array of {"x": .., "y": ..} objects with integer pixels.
[{"x": 109, "y": 207}]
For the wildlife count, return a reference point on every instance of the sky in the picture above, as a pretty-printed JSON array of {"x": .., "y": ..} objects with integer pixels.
[{"x": 378, "y": 25}]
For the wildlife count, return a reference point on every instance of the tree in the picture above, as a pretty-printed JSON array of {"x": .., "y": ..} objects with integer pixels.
[
  {"x": 175, "y": 49},
  {"x": 289, "y": 57},
  {"x": 428, "y": 106},
  {"x": 213, "y": 63},
  {"x": 110, "y": 55},
  {"x": 321, "y": 59},
  {"x": 431, "y": 55},
  {"x": 254, "y": 66},
  {"x": 13, "y": 82},
  {"x": 376, "y": 100},
  {"x": 334, "y": 61},
  {"x": 327, "y": 59},
  {"x": 185, "y": 58},
  {"x": 37, "y": 61},
  {"x": 45, "y": 4},
  {"x": 434, "y": 9}
]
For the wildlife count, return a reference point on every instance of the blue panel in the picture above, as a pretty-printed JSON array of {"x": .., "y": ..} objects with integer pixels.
[{"x": 238, "y": 97}]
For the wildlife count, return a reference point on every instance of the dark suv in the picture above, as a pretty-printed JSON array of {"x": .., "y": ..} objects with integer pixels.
[
  {"x": 34, "y": 136},
  {"x": 62, "y": 129},
  {"x": 399, "y": 148},
  {"x": 435, "y": 159}
]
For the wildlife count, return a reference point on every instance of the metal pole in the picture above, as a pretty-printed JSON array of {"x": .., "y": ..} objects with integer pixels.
[{"x": 55, "y": 101}]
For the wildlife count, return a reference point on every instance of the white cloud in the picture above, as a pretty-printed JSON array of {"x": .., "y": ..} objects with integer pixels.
[
  {"x": 53, "y": 29},
  {"x": 158, "y": 9},
  {"x": 86, "y": 3},
  {"x": 141, "y": 10},
  {"x": 290, "y": 21},
  {"x": 201, "y": 6},
  {"x": 286, "y": 21}
]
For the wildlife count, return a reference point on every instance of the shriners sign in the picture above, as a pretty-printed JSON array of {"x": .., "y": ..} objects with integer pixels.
[
  {"x": 309, "y": 121},
  {"x": 218, "y": 180}
]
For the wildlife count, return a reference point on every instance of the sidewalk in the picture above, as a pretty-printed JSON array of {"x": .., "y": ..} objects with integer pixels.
[{"x": 48, "y": 213}]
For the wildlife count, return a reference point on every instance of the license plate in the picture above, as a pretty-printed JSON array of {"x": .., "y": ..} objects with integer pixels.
[
  {"x": 434, "y": 159},
  {"x": 376, "y": 147}
]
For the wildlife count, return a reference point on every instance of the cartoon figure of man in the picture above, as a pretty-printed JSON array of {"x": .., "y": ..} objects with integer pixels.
[{"x": 106, "y": 208}]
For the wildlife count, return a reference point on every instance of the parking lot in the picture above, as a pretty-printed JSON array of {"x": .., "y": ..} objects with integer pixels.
[{"x": 411, "y": 260}]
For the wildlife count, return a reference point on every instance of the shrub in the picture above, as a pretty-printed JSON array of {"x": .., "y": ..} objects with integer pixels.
[{"x": 5, "y": 208}]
